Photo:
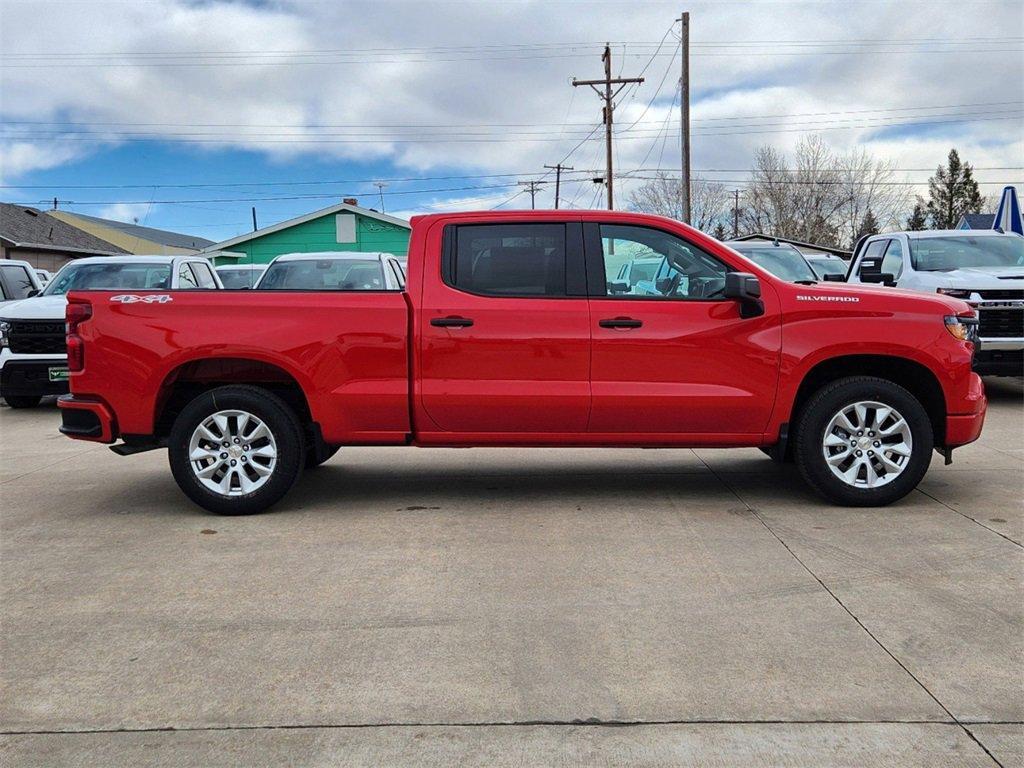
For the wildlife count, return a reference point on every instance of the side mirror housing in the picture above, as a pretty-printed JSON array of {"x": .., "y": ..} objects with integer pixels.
[
  {"x": 746, "y": 289},
  {"x": 618, "y": 286},
  {"x": 33, "y": 292},
  {"x": 832, "y": 278},
  {"x": 885, "y": 278}
]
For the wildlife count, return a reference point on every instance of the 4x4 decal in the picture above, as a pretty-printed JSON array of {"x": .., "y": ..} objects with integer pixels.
[{"x": 150, "y": 298}]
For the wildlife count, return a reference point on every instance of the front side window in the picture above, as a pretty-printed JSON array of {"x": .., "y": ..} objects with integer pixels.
[
  {"x": 526, "y": 260},
  {"x": 204, "y": 275},
  {"x": 185, "y": 277},
  {"x": 683, "y": 271},
  {"x": 936, "y": 254},
  {"x": 892, "y": 262},
  {"x": 109, "y": 277},
  {"x": 16, "y": 282},
  {"x": 324, "y": 275}
]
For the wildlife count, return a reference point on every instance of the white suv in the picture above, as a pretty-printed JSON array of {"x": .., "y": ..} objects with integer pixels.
[
  {"x": 983, "y": 267},
  {"x": 33, "y": 357}
]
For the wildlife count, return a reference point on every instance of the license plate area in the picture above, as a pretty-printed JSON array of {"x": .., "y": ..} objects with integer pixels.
[{"x": 58, "y": 373}]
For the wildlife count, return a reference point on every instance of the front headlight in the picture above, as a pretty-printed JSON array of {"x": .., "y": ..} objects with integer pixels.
[
  {"x": 956, "y": 293},
  {"x": 5, "y": 328},
  {"x": 962, "y": 327}
]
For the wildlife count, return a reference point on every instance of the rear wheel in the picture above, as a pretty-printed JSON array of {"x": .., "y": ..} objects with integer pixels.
[
  {"x": 22, "y": 401},
  {"x": 863, "y": 441},
  {"x": 236, "y": 450}
]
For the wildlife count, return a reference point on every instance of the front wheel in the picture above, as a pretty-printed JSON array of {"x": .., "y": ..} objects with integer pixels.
[
  {"x": 863, "y": 442},
  {"x": 236, "y": 450},
  {"x": 22, "y": 401}
]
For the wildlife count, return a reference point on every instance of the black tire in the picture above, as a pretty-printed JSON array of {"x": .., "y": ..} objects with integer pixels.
[
  {"x": 279, "y": 419},
  {"x": 826, "y": 403},
  {"x": 22, "y": 401},
  {"x": 317, "y": 453}
]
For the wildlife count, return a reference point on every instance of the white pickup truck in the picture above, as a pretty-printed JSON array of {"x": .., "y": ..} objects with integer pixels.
[
  {"x": 985, "y": 268},
  {"x": 33, "y": 356}
]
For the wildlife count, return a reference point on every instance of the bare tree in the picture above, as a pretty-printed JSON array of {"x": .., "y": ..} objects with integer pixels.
[
  {"x": 709, "y": 201},
  {"x": 867, "y": 185}
]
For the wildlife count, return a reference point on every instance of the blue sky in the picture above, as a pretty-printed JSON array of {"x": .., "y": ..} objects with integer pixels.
[{"x": 162, "y": 101}]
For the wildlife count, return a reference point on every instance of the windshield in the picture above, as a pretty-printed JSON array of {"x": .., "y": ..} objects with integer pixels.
[
  {"x": 643, "y": 270},
  {"x": 824, "y": 267},
  {"x": 937, "y": 254},
  {"x": 787, "y": 263},
  {"x": 108, "y": 277},
  {"x": 324, "y": 275},
  {"x": 240, "y": 277}
]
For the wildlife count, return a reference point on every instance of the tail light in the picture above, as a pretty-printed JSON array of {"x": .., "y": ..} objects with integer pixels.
[{"x": 76, "y": 314}]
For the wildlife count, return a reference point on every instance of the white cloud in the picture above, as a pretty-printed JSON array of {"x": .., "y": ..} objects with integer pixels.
[
  {"x": 247, "y": 102},
  {"x": 131, "y": 213}
]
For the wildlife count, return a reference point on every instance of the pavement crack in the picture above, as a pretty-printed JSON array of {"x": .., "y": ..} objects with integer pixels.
[
  {"x": 972, "y": 519},
  {"x": 851, "y": 614}
]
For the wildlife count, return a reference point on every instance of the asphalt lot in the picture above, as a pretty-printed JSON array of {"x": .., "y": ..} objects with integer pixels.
[{"x": 507, "y": 607}]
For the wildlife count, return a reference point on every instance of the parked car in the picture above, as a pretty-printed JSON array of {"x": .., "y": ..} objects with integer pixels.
[
  {"x": 828, "y": 267},
  {"x": 333, "y": 271},
  {"x": 236, "y": 276},
  {"x": 781, "y": 259},
  {"x": 985, "y": 268},
  {"x": 507, "y": 335},
  {"x": 44, "y": 277},
  {"x": 18, "y": 280},
  {"x": 33, "y": 356}
]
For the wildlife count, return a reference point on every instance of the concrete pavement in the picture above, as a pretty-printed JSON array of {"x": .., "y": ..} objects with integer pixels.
[{"x": 499, "y": 606}]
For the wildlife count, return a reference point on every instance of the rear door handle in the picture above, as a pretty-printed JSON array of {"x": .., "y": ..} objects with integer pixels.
[
  {"x": 620, "y": 322},
  {"x": 451, "y": 322}
]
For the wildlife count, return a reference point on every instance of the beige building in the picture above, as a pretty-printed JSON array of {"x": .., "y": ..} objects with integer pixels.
[{"x": 133, "y": 238}]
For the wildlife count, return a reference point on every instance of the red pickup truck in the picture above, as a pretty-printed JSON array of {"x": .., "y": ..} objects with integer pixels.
[{"x": 514, "y": 329}]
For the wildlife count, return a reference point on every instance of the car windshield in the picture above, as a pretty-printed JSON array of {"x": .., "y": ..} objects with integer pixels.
[
  {"x": 824, "y": 267},
  {"x": 939, "y": 254},
  {"x": 643, "y": 270},
  {"x": 787, "y": 263},
  {"x": 324, "y": 275},
  {"x": 112, "y": 277},
  {"x": 239, "y": 277}
]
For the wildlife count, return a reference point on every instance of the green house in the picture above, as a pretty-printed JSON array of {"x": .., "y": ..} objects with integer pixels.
[{"x": 341, "y": 227}]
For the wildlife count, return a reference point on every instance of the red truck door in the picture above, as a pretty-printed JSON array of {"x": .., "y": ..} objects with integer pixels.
[
  {"x": 670, "y": 355},
  {"x": 505, "y": 331}
]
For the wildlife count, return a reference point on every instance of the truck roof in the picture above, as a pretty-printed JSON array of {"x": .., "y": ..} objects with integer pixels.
[
  {"x": 324, "y": 255},
  {"x": 135, "y": 259},
  {"x": 924, "y": 234}
]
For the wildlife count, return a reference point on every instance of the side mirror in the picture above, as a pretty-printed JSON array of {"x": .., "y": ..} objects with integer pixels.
[
  {"x": 745, "y": 288},
  {"x": 885, "y": 278},
  {"x": 833, "y": 278},
  {"x": 33, "y": 292},
  {"x": 663, "y": 285}
]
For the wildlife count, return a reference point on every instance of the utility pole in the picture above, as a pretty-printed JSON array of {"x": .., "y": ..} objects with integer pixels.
[
  {"x": 609, "y": 109},
  {"x": 533, "y": 191},
  {"x": 55, "y": 203},
  {"x": 736, "y": 214},
  {"x": 684, "y": 113},
  {"x": 380, "y": 189},
  {"x": 254, "y": 227},
  {"x": 558, "y": 178}
]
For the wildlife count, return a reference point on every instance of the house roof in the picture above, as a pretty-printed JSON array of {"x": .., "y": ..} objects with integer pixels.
[
  {"x": 160, "y": 236},
  {"x": 977, "y": 220},
  {"x": 26, "y": 227},
  {"x": 339, "y": 208},
  {"x": 842, "y": 253}
]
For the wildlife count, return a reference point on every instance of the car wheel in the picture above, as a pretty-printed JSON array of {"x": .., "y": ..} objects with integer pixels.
[
  {"x": 236, "y": 450},
  {"x": 863, "y": 442},
  {"x": 22, "y": 401}
]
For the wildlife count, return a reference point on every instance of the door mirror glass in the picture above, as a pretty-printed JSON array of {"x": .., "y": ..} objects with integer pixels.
[{"x": 831, "y": 277}]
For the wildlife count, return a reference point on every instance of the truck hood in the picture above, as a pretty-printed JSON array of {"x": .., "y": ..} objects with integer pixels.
[
  {"x": 840, "y": 293},
  {"x": 36, "y": 308},
  {"x": 979, "y": 277}
]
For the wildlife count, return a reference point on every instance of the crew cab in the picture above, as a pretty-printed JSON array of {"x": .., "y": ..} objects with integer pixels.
[
  {"x": 508, "y": 334},
  {"x": 985, "y": 268},
  {"x": 32, "y": 352}
]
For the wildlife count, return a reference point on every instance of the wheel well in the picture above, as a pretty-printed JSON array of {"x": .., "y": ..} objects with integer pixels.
[
  {"x": 914, "y": 377},
  {"x": 191, "y": 379}
]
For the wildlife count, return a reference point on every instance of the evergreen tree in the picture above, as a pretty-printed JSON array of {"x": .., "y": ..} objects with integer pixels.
[
  {"x": 952, "y": 192},
  {"x": 918, "y": 219},
  {"x": 720, "y": 232},
  {"x": 868, "y": 226}
]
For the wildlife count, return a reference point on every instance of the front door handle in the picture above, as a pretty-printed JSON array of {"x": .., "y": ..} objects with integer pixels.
[
  {"x": 620, "y": 322},
  {"x": 451, "y": 322}
]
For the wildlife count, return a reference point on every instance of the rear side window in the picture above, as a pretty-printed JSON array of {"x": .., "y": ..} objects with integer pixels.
[{"x": 525, "y": 260}]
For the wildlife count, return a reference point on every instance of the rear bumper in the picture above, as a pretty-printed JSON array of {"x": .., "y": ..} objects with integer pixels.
[
  {"x": 86, "y": 419},
  {"x": 23, "y": 377}
]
